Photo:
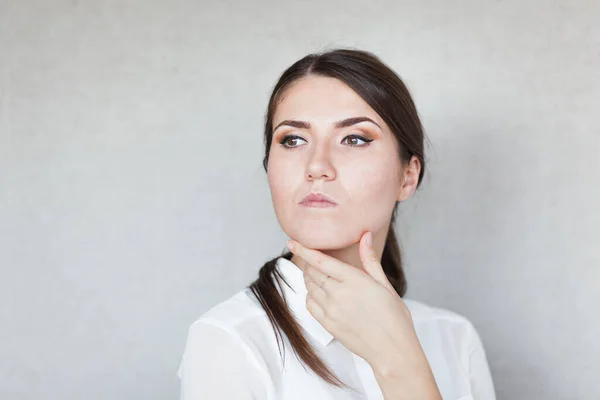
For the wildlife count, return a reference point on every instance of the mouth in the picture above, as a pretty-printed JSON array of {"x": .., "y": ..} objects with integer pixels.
[{"x": 318, "y": 200}]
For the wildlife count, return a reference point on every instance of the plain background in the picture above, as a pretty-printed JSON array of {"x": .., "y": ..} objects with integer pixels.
[{"x": 132, "y": 195}]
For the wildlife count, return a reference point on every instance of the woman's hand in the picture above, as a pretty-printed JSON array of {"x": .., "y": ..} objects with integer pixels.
[{"x": 363, "y": 311}]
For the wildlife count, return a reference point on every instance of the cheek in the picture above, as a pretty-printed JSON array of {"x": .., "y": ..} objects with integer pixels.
[
  {"x": 373, "y": 180},
  {"x": 281, "y": 181},
  {"x": 277, "y": 186},
  {"x": 372, "y": 191}
]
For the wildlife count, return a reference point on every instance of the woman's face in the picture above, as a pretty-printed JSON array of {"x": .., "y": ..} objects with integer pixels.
[{"x": 361, "y": 173}]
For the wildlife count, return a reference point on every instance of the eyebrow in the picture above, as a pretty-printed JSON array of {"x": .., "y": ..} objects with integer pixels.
[{"x": 339, "y": 124}]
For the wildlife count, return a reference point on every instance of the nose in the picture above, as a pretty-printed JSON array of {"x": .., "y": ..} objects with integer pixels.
[{"x": 319, "y": 165}]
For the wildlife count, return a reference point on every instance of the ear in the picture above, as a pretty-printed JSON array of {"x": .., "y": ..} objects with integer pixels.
[{"x": 410, "y": 179}]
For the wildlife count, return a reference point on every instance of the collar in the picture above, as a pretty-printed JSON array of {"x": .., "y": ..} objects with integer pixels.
[{"x": 295, "y": 296}]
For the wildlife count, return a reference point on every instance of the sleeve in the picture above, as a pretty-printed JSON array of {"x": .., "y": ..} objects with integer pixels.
[
  {"x": 216, "y": 365},
  {"x": 482, "y": 386}
]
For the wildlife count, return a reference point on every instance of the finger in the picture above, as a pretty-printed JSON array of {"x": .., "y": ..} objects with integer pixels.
[
  {"x": 315, "y": 310},
  {"x": 370, "y": 260},
  {"x": 317, "y": 278},
  {"x": 328, "y": 265},
  {"x": 316, "y": 293}
]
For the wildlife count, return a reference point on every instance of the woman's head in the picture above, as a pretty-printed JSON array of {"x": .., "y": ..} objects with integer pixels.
[
  {"x": 367, "y": 166},
  {"x": 343, "y": 124}
]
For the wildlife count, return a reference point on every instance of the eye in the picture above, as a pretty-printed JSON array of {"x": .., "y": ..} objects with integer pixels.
[
  {"x": 364, "y": 139},
  {"x": 287, "y": 139}
]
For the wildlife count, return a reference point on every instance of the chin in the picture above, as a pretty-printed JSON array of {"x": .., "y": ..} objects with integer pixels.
[{"x": 320, "y": 239}]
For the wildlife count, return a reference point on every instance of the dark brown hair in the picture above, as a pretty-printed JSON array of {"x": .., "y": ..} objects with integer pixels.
[{"x": 381, "y": 88}]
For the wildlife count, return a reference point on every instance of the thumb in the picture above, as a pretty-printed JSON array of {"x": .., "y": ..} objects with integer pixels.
[{"x": 371, "y": 263}]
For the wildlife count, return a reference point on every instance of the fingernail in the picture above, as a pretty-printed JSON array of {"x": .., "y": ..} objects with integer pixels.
[
  {"x": 289, "y": 245},
  {"x": 369, "y": 239}
]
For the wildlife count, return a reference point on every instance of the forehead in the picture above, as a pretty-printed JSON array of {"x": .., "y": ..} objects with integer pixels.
[{"x": 317, "y": 98}]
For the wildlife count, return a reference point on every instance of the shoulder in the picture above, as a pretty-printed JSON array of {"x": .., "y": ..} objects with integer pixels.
[
  {"x": 217, "y": 364},
  {"x": 233, "y": 320},
  {"x": 431, "y": 318},
  {"x": 218, "y": 339},
  {"x": 232, "y": 313},
  {"x": 225, "y": 321},
  {"x": 423, "y": 312}
]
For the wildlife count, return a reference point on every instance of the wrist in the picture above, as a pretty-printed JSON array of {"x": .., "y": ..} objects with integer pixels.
[
  {"x": 406, "y": 373},
  {"x": 401, "y": 363},
  {"x": 416, "y": 386},
  {"x": 416, "y": 373}
]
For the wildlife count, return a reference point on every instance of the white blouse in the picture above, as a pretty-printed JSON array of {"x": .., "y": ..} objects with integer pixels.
[{"x": 231, "y": 353}]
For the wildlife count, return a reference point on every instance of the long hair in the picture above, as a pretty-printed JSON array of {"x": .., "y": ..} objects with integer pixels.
[{"x": 381, "y": 88}]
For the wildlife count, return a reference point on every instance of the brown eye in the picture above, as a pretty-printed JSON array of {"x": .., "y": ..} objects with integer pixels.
[
  {"x": 287, "y": 139},
  {"x": 354, "y": 138}
]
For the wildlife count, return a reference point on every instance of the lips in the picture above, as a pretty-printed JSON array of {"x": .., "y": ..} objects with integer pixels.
[{"x": 318, "y": 199}]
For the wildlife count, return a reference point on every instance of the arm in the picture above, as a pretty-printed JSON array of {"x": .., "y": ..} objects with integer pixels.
[{"x": 215, "y": 365}]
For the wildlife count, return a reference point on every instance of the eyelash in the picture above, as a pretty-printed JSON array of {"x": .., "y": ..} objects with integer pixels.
[{"x": 286, "y": 137}]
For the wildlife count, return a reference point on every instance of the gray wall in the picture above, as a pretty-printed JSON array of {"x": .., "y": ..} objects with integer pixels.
[{"x": 132, "y": 196}]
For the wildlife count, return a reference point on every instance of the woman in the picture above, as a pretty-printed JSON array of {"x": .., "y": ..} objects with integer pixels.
[{"x": 344, "y": 146}]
